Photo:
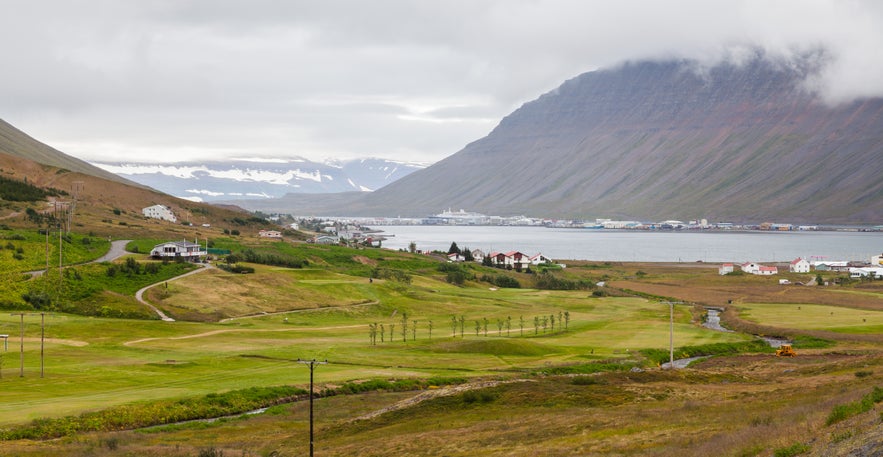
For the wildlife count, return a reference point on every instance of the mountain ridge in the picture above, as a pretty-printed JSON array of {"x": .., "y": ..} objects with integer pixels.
[
  {"x": 234, "y": 179},
  {"x": 656, "y": 140}
]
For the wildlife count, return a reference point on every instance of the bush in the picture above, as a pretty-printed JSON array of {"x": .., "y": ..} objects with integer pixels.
[
  {"x": 502, "y": 281},
  {"x": 794, "y": 449}
]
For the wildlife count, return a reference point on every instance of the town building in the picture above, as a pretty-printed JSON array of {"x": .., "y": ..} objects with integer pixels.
[
  {"x": 725, "y": 268},
  {"x": 159, "y": 212}
]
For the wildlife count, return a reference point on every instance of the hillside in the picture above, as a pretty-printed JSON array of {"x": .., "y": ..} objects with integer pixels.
[
  {"x": 19, "y": 144},
  {"x": 106, "y": 204},
  {"x": 658, "y": 140}
]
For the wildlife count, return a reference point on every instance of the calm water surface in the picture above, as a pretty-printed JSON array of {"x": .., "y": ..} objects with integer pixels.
[{"x": 640, "y": 246}]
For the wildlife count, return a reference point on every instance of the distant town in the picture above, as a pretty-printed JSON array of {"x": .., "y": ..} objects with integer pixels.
[{"x": 466, "y": 218}]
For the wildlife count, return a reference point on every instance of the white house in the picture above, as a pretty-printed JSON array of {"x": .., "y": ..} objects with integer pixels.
[
  {"x": 456, "y": 257},
  {"x": 540, "y": 259},
  {"x": 159, "y": 212},
  {"x": 326, "y": 239},
  {"x": 757, "y": 269},
  {"x": 866, "y": 272},
  {"x": 510, "y": 260},
  {"x": 270, "y": 234},
  {"x": 725, "y": 268},
  {"x": 877, "y": 260},
  {"x": 799, "y": 265},
  {"x": 478, "y": 255},
  {"x": 178, "y": 250}
]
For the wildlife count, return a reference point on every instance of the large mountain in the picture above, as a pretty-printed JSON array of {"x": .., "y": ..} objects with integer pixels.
[
  {"x": 244, "y": 179},
  {"x": 658, "y": 140}
]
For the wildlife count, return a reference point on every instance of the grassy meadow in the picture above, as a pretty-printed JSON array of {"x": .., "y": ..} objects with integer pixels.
[{"x": 532, "y": 371}]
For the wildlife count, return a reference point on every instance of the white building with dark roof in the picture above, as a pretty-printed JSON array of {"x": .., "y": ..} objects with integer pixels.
[{"x": 159, "y": 212}]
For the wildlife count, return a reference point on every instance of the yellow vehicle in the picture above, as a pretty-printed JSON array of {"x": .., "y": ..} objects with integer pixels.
[{"x": 785, "y": 350}]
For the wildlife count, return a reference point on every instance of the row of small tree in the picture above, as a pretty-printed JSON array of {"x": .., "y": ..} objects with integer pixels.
[
  {"x": 380, "y": 329},
  {"x": 387, "y": 331}
]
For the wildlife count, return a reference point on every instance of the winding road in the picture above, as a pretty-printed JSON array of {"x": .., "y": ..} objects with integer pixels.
[{"x": 140, "y": 294}]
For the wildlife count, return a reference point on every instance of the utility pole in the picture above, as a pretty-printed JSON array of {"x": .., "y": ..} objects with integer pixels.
[
  {"x": 312, "y": 364},
  {"x": 42, "y": 338},
  {"x": 671, "y": 333},
  {"x": 21, "y": 372}
]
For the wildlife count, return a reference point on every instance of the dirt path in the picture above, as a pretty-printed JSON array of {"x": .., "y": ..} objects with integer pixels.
[
  {"x": 242, "y": 330},
  {"x": 140, "y": 294},
  {"x": 252, "y": 316},
  {"x": 446, "y": 391}
]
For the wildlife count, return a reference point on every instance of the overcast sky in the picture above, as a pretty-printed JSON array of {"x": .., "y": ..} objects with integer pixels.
[{"x": 167, "y": 81}]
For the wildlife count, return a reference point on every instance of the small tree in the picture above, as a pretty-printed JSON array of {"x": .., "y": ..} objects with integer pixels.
[
  {"x": 462, "y": 325},
  {"x": 545, "y": 323},
  {"x": 536, "y": 325},
  {"x": 412, "y": 247},
  {"x": 566, "y": 319},
  {"x": 453, "y": 326},
  {"x": 521, "y": 324},
  {"x": 485, "y": 321},
  {"x": 453, "y": 249},
  {"x": 500, "y": 327},
  {"x": 392, "y": 332},
  {"x": 552, "y": 320},
  {"x": 372, "y": 333},
  {"x": 477, "y": 326},
  {"x": 429, "y": 324},
  {"x": 414, "y": 331},
  {"x": 508, "y": 325},
  {"x": 404, "y": 326},
  {"x": 467, "y": 255},
  {"x": 382, "y": 333}
]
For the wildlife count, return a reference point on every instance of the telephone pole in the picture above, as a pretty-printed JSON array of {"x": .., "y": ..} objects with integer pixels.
[{"x": 312, "y": 364}]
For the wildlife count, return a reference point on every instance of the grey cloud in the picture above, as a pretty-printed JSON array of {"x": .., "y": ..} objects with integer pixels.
[{"x": 355, "y": 78}]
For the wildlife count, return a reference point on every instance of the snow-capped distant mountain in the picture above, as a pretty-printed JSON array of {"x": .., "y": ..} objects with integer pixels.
[{"x": 238, "y": 179}]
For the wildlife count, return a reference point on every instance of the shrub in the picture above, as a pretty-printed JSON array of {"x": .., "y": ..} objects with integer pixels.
[
  {"x": 502, "y": 281},
  {"x": 794, "y": 449}
]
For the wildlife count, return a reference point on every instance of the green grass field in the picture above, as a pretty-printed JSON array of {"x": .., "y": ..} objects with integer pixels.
[
  {"x": 815, "y": 317},
  {"x": 239, "y": 331}
]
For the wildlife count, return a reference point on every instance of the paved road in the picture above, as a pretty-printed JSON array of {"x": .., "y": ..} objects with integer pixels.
[{"x": 117, "y": 250}]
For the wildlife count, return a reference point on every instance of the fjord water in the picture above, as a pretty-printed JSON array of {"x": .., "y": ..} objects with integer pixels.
[{"x": 642, "y": 246}]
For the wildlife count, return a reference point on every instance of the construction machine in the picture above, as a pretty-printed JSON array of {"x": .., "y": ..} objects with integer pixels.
[{"x": 785, "y": 350}]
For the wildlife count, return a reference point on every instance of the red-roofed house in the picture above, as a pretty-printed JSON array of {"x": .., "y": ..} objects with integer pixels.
[{"x": 725, "y": 269}]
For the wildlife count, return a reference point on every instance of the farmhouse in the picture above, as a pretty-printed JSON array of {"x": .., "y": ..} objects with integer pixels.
[
  {"x": 757, "y": 269},
  {"x": 159, "y": 212},
  {"x": 725, "y": 268},
  {"x": 478, "y": 255},
  {"x": 799, "y": 265},
  {"x": 510, "y": 260},
  {"x": 270, "y": 234},
  {"x": 184, "y": 250}
]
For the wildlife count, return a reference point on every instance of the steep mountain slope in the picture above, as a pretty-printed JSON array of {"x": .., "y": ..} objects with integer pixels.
[
  {"x": 19, "y": 144},
  {"x": 659, "y": 140}
]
